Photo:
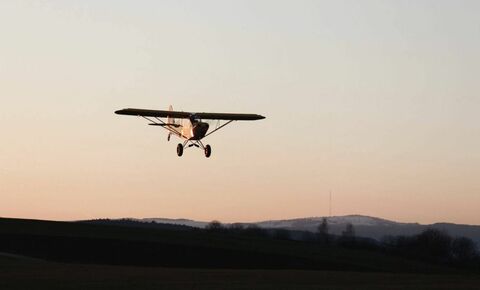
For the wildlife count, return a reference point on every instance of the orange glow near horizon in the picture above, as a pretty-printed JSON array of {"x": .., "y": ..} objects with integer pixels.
[{"x": 376, "y": 102}]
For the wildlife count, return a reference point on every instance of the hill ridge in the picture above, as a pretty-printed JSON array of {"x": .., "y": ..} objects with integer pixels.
[{"x": 365, "y": 226}]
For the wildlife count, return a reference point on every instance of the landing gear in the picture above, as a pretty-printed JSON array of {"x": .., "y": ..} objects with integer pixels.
[
  {"x": 179, "y": 149},
  {"x": 208, "y": 151},
  {"x": 194, "y": 143}
]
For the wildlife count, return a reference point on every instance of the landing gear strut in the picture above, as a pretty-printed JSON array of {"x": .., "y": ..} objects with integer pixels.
[{"x": 179, "y": 149}]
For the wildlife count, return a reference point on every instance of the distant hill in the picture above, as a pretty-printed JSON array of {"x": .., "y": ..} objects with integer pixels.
[{"x": 365, "y": 226}]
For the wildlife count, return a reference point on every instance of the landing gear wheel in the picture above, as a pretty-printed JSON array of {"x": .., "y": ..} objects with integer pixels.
[
  {"x": 179, "y": 149},
  {"x": 208, "y": 151}
]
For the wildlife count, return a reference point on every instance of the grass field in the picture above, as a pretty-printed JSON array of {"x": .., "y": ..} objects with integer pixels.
[{"x": 22, "y": 273}]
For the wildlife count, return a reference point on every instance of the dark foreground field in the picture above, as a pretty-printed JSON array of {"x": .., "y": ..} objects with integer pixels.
[
  {"x": 23, "y": 273},
  {"x": 65, "y": 255}
]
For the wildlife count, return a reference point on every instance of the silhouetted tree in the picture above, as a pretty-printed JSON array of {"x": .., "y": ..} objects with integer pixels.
[
  {"x": 433, "y": 244},
  {"x": 215, "y": 226},
  {"x": 322, "y": 231},
  {"x": 463, "y": 250},
  {"x": 348, "y": 236},
  {"x": 349, "y": 232}
]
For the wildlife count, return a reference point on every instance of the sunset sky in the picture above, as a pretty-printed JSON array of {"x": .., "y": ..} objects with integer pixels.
[{"x": 375, "y": 101}]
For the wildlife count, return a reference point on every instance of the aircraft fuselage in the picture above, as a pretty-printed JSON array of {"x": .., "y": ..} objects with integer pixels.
[{"x": 194, "y": 131}]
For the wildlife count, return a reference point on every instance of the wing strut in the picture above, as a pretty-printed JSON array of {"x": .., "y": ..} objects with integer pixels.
[{"x": 218, "y": 128}]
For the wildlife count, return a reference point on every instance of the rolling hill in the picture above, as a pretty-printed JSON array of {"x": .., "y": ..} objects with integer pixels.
[{"x": 365, "y": 226}]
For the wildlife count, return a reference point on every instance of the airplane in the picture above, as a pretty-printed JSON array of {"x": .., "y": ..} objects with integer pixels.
[{"x": 191, "y": 128}]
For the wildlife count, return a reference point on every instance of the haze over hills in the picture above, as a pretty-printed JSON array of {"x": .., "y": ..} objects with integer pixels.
[{"x": 365, "y": 226}]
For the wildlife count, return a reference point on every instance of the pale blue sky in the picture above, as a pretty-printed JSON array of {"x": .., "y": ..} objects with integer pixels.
[{"x": 374, "y": 100}]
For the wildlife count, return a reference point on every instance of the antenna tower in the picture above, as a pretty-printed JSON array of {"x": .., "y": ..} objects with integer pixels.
[{"x": 330, "y": 205}]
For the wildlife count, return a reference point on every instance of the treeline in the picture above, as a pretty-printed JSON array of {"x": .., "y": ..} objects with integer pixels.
[
  {"x": 435, "y": 246},
  {"x": 431, "y": 245},
  {"x": 126, "y": 222}
]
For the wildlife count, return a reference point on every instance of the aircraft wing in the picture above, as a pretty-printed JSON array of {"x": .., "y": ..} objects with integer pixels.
[
  {"x": 186, "y": 115},
  {"x": 154, "y": 113},
  {"x": 229, "y": 116}
]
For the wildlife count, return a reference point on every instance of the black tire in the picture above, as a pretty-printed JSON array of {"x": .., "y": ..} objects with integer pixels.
[
  {"x": 179, "y": 149},
  {"x": 208, "y": 151}
]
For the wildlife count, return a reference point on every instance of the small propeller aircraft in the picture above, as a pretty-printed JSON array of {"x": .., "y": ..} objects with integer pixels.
[{"x": 191, "y": 126}]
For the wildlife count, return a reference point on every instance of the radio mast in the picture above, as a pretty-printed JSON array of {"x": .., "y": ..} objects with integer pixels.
[{"x": 330, "y": 205}]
